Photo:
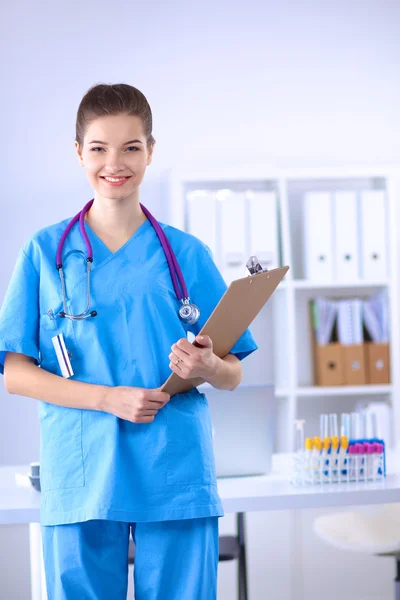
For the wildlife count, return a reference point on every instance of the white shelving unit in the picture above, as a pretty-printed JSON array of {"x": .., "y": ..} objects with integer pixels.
[{"x": 282, "y": 328}]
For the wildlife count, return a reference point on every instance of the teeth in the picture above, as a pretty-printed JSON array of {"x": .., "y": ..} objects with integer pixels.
[{"x": 115, "y": 179}]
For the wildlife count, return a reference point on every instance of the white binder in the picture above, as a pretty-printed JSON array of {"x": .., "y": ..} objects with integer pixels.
[
  {"x": 233, "y": 233},
  {"x": 202, "y": 218},
  {"x": 263, "y": 213},
  {"x": 374, "y": 253},
  {"x": 346, "y": 237},
  {"x": 318, "y": 236}
]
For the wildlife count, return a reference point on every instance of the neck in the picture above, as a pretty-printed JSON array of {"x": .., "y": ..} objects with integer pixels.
[{"x": 116, "y": 217}]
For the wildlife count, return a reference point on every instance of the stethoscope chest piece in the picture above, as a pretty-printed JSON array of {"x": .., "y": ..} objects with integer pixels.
[{"x": 189, "y": 313}]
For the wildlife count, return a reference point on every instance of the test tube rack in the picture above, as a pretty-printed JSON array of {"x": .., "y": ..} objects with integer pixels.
[{"x": 363, "y": 460}]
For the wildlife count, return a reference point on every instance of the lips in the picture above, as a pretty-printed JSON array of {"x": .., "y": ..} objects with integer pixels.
[
  {"x": 115, "y": 181},
  {"x": 115, "y": 176}
]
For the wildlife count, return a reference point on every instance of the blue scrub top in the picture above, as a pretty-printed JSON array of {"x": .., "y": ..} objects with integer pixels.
[{"x": 93, "y": 464}]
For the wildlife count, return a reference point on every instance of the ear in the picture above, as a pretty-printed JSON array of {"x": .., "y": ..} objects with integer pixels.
[
  {"x": 79, "y": 153},
  {"x": 150, "y": 154}
]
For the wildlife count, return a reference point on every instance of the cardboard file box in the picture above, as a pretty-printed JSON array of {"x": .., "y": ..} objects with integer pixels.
[
  {"x": 328, "y": 364},
  {"x": 354, "y": 364},
  {"x": 336, "y": 364},
  {"x": 378, "y": 363}
]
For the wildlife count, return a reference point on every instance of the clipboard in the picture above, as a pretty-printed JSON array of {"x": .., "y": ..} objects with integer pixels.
[{"x": 233, "y": 314}]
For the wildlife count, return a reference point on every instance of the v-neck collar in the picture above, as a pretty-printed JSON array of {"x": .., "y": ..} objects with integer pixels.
[{"x": 105, "y": 251}]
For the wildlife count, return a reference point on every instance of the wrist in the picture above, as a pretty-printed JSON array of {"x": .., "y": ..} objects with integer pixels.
[
  {"x": 214, "y": 372},
  {"x": 103, "y": 398}
]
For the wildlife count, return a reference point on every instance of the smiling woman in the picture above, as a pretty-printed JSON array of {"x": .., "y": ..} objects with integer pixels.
[{"x": 119, "y": 457}]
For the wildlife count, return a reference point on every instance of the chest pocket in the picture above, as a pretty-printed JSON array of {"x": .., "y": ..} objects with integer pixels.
[{"x": 51, "y": 325}]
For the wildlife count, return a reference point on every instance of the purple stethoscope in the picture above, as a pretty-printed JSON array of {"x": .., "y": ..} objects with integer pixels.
[{"x": 188, "y": 313}]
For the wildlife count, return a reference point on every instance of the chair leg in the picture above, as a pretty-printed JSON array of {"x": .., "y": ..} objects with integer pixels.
[
  {"x": 242, "y": 567},
  {"x": 397, "y": 580}
]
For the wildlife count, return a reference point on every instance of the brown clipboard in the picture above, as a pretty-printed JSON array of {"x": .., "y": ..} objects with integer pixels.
[{"x": 233, "y": 314}]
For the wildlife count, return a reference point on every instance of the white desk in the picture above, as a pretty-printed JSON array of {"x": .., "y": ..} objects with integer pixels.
[{"x": 242, "y": 494}]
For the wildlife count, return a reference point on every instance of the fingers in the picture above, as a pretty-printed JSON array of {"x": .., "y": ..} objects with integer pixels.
[
  {"x": 204, "y": 340},
  {"x": 184, "y": 345},
  {"x": 149, "y": 419},
  {"x": 149, "y": 412},
  {"x": 156, "y": 397},
  {"x": 176, "y": 365},
  {"x": 177, "y": 355},
  {"x": 182, "y": 351},
  {"x": 180, "y": 369}
]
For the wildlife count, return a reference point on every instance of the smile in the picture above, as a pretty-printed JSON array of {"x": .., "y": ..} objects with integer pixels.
[{"x": 116, "y": 180}]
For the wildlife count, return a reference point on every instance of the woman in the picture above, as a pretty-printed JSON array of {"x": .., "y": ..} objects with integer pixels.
[{"x": 117, "y": 454}]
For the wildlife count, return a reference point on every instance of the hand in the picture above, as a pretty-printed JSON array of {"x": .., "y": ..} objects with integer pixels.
[
  {"x": 137, "y": 405},
  {"x": 189, "y": 361}
]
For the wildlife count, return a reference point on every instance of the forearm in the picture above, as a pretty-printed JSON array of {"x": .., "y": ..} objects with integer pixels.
[
  {"x": 24, "y": 378},
  {"x": 227, "y": 373}
]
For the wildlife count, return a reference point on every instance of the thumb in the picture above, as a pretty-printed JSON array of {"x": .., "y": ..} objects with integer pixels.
[{"x": 204, "y": 340}]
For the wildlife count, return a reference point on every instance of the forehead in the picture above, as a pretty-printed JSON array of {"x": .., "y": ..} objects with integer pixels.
[{"x": 115, "y": 128}]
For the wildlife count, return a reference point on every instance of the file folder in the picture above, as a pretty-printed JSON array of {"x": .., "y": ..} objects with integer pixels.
[
  {"x": 350, "y": 322},
  {"x": 374, "y": 235},
  {"x": 234, "y": 313},
  {"x": 328, "y": 364},
  {"x": 232, "y": 207},
  {"x": 354, "y": 364},
  {"x": 318, "y": 236},
  {"x": 378, "y": 361},
  {"x": 346, "y": 238},
  {"x": 202, "y": 218},
  {"x": 263, "y": 212},
  {"x": 376, "y": 319}
]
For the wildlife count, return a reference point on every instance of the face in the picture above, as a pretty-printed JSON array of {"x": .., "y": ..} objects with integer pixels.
[{"x": 115, "y": 155}]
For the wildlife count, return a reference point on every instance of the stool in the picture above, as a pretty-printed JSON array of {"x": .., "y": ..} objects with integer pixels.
[
  {"x": 377, "y": 534},
  {"x": 231, "y": 547}
]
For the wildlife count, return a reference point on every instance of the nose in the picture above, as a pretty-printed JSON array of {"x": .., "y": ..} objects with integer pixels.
[{"x": 114, "y": 163}]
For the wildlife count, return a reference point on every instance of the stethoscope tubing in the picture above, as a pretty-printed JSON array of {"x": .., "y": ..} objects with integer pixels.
[{"x": 176, "y": 274}]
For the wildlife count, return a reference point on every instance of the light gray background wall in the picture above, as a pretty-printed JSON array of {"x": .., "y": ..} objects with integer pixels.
[{"x": 301, "y": 83}]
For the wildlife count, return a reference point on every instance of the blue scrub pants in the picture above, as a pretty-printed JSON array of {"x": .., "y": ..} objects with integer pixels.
[{"x": 174, "y": 560}]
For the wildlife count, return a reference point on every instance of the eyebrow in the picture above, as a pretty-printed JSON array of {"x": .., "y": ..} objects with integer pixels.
[{"x": 106, "y": 144}]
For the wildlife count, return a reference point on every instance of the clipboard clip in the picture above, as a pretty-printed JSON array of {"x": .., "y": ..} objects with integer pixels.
[{"x": 253, "y": 266}]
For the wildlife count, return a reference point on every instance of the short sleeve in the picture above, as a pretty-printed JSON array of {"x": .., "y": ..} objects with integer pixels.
[
  {"x": 206, "y": 290},
  {"x": 19, "y": 313}
]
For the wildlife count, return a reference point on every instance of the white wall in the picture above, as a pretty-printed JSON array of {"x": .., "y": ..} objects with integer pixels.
[{"x": 229, "y": 83}]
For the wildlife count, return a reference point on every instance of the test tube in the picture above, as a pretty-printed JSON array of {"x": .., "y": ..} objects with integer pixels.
[
  {"x": 355, "y": 425},
  {"x": 374, "y": 425},
  {"x": 345, "y": 425},
  {"x": 363, "y": 425},
  {"x": 299, "y": 435},
  {"x": 333, "y": 425},
  {"x": 323, "y": 426}
]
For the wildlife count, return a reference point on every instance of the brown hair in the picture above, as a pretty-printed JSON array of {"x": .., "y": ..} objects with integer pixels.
[{"x": 113, "y": 99}]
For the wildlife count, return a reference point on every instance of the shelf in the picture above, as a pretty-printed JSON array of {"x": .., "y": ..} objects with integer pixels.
[
  {"x": 282, "y": 330},
  {"x": 344, "y": 390},
  {"x": 304, "y": 284},
  {"x": 280, "y": 392}
]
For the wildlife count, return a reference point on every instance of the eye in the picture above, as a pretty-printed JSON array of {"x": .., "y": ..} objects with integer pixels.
[
  {"x": 132, "y": 147},
  {"x": 94, "y": 149}
]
